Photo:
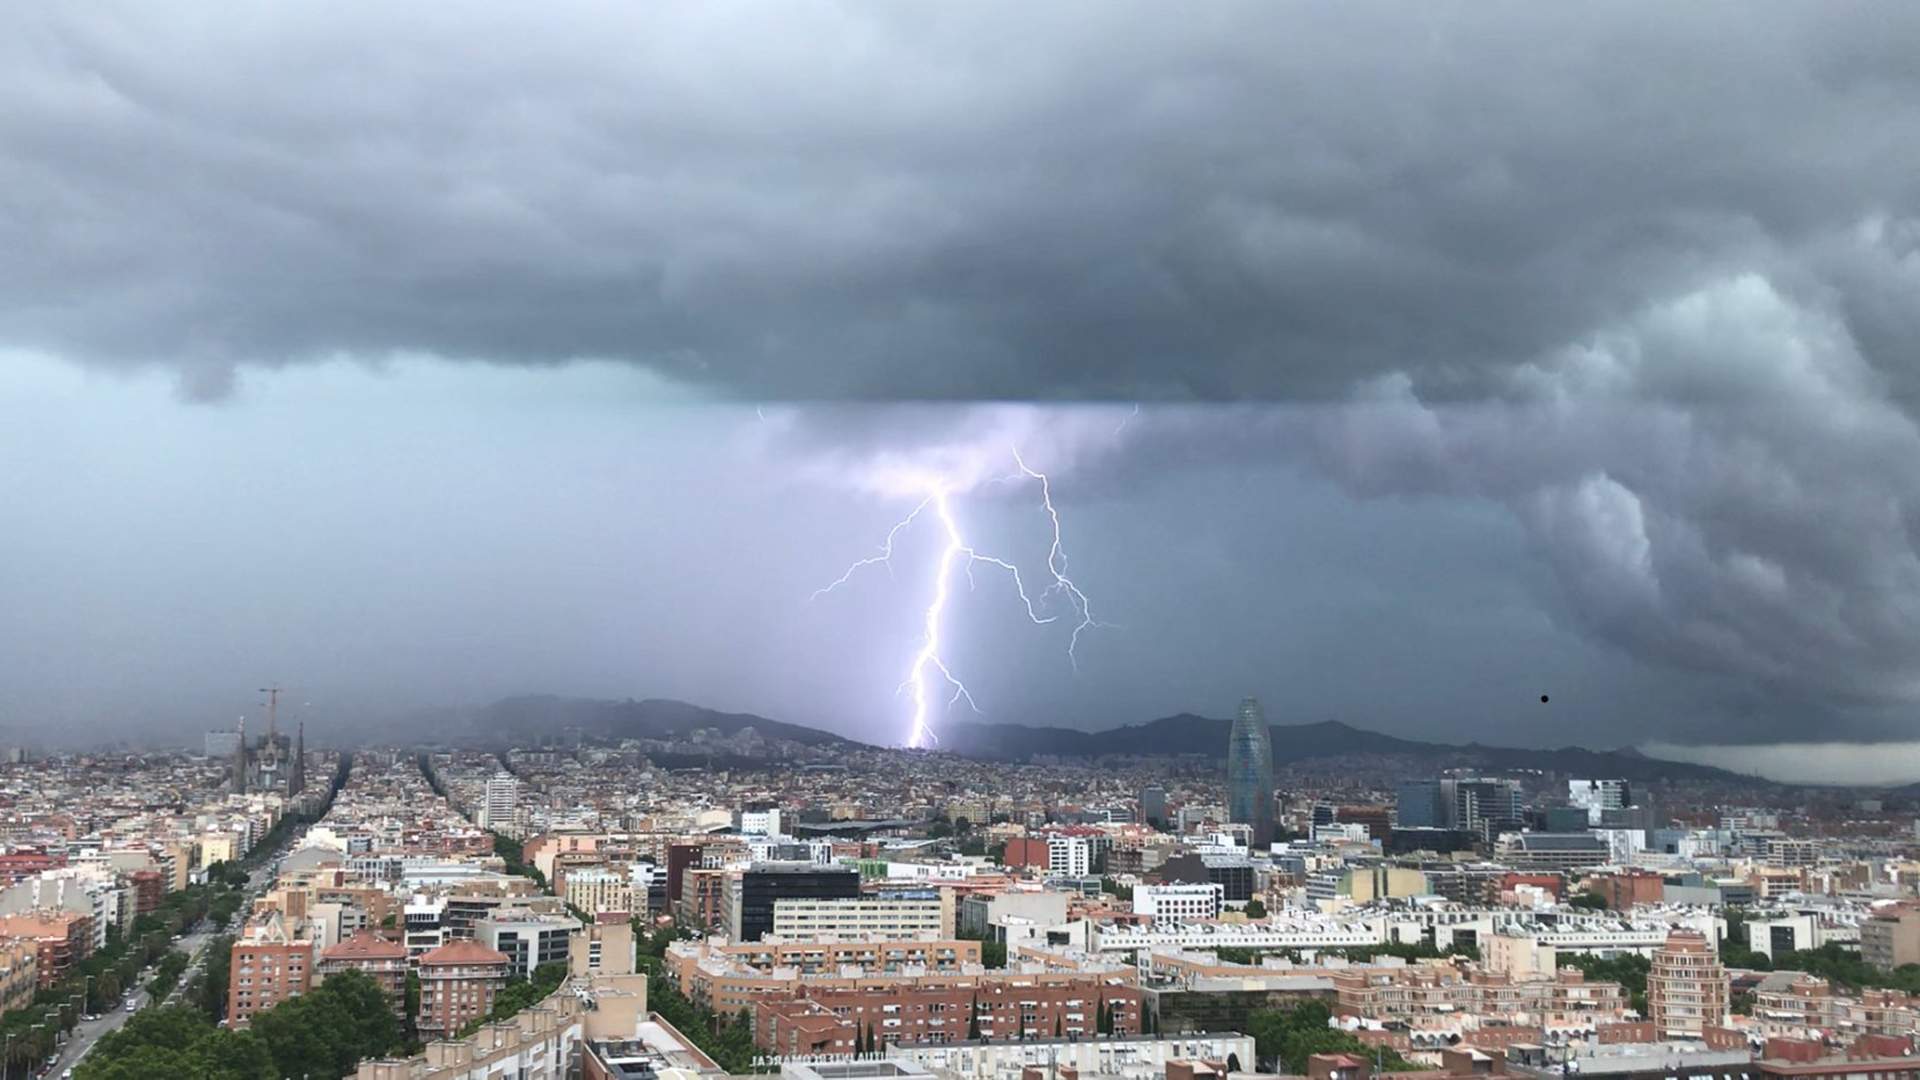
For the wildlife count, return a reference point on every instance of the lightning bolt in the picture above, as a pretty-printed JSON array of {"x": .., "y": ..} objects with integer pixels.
[
  {"x": 1057, "y": 565},
  {"x": 929, "y": 668}
]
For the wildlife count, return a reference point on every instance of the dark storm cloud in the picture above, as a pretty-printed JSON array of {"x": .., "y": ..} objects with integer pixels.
[
  {"x": 816, "y": 201},
  {"x": 1645, "y": 276},
  {"x": 1720, "y": 483}
]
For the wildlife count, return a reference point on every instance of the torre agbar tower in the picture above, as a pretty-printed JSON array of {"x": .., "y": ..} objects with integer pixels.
[{"x": 1250, "y": 772}]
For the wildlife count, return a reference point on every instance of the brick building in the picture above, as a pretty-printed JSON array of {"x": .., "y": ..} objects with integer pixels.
[
  {"x": 61, "y": 939},
  {"x": 385, "y": 962},
  {"x": 1009, "y": 1009},
  {"x": 1687, "y": 988},
  {"x": 458, "y": 981},
  {"x": 268, "y": 967},
  {"x": 19, "y": 973},
  {"x": 1627, "y": 888},
  {"x": 149, "y": 889}
]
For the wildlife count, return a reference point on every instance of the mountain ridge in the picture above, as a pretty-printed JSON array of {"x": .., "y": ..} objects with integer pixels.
[{"x": 1182, "y": 734}]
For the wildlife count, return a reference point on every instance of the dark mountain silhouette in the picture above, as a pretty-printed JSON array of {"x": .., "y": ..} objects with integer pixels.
[
  {"x": 540, "y": 718},
  {"x": 541, "y": 715},
  {"x": 1207, "y": 737}
]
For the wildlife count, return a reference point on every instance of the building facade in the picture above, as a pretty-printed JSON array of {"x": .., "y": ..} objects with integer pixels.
[
  {"x": 458, "y": 982},
  {"x": 383, "y": 961},
  {"x": 1891, "y": 938},
  {"x": 884, "y": 918},
  {"x": 264, "y": 972},
  {"x": 1687, "y": 988},
  {"x": 1250, "y": 772},
  {"x": 1180, "y": 902},
  {"x": 764, "y": 884}
]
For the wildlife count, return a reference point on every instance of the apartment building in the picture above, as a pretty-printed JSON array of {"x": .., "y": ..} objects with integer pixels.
[
  {"x": 19, "y": 973},
  {"x": 458, "y": 982},
  {"x": 1416, "y": 992},
  {"x": 268, "y": 966},
  {"x": 1810, "y": 1008},
  {"x": 1687, "y": 988},
  {"x": 1891, "y": 938},
  {"x": 597, "y": 889},
  {"x": 61, "y": 939},
  {"x": 1009, "y": 1009},
  {"x": 384, "y": 961}
]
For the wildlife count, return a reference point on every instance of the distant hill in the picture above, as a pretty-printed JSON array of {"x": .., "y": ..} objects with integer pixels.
[
  {"x": 653, "y": 718},
  {"x": 535, "y": 717},
  {"x": 1207, "y": 737}
]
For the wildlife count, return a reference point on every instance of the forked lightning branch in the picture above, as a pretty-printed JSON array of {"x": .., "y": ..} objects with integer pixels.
[{"x": 930, "y": 680}]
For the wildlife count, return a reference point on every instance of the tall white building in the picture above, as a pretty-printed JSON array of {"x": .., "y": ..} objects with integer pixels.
[
  {"x": 1070, "y": 855},
  {"x": 499, "y": 810}
]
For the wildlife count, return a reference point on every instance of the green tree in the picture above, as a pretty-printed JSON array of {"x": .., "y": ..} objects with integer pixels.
[
  {"x": 1290, "y": 1036},
  {"x": 1588, "y": 901},
  {"x": 1629, "y": 971},
  {"x": 1256, "y": 909},
  {"x": 213, "y": 988}
]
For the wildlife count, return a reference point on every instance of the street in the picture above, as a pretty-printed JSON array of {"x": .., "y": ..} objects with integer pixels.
[{"x": 194, "y": 944}]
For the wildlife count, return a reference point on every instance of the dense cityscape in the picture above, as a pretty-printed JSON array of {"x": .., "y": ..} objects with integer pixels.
[{"x": 255, "y": 907}]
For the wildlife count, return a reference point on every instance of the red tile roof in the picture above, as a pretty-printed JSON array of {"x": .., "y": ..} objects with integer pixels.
[
  {"x": 366, "y": 945},
  {"x": 462, "y": 952}
]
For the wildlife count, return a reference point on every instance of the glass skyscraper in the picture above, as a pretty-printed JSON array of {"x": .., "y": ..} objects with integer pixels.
[{"x": 1250, "y": 772}]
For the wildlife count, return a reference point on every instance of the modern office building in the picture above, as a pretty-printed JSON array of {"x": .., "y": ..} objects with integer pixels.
[
  {"x": 1153, "y": 805},
  {"x": 1598, "y": 795},
  {"x": 904, "y": 915},
  {"x": 1484, "y": 806},
  {"x": 1250, "y": 772},
  {"x": 761, "y": 885},
  {"x": 1233, "y": 873},
  {"x": 527, "y": 940},
  {"x": 1420, "y": 806}
]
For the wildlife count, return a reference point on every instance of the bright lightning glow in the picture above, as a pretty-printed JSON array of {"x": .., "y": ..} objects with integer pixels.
[
  {"x": 1057, "y": 565},
  {"x": 928, "y": 660}
]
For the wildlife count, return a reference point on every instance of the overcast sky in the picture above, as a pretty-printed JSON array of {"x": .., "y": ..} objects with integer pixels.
[{"x": 421, "y": 354}]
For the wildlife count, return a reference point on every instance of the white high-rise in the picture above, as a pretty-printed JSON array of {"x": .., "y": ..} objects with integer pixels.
[{"x": 499, "y": 810}]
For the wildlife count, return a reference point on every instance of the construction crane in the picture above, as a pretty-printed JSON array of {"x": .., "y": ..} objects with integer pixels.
[{"x": 273, "y": 708}]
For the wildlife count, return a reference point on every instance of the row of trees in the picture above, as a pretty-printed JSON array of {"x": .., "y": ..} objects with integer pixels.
[
  {"x": 97, "y": 983},
  {"x": 520, "y": 994},
  {"x": 326, "y": 1032},
  {"x": 514, "y": 853},
  {"x": 727, "y": 1040}
]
